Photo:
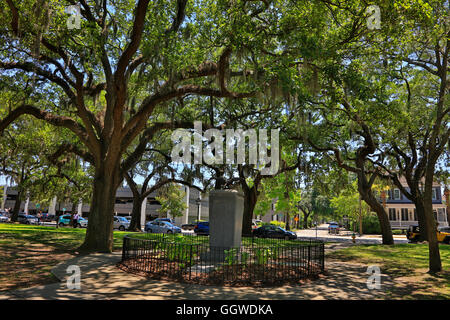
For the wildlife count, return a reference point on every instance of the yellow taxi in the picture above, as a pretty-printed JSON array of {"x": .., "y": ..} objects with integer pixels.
[{"x": 442, "y": 234}]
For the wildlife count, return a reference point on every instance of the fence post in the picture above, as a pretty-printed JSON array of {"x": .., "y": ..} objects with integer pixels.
[
  {"x": 309, "y": 259},
  {"x": 323, "y": 256},
  {"x": 190, "y": 260},
  {"x": 123, "y": 248}
]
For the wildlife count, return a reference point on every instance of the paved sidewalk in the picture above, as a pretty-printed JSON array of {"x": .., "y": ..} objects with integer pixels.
[{"x": 101, "y": 279}]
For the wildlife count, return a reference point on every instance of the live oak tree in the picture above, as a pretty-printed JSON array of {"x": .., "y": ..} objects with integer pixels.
[
  {"x": 126, "y": 61},
  {"x": 349, "y": 203},
  {"x": 400, "y": 111},
  {"x": 21, "y": 167},
  {"x": 68, "y": 178},
  {"x": 416, "y": 51},
  {"x": 172, "y": 200},
  {"x": 311, "y": 202},
  {"x": 281, "y": 193},
  {"x": 129, "y": 59},
  {"x": 157, "y": 173},
  {"x": 23, "y": 158},
  {"x": 320, "y": 86}
]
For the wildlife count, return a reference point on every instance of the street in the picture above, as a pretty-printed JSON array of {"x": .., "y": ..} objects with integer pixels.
[{"x": 321, "y": 233}]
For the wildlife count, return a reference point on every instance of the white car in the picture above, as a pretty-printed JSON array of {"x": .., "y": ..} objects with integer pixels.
[
  {"x": 4, "y": 218},
  {"x": 27, "y": 218},
  {"x": 121, "y": 223},
  {"x": 161, "y": 227}
]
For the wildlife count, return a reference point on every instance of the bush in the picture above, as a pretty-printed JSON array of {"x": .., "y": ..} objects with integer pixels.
[
  {"x": 370, "y": 224},
  {"x": 276, "y": 223}
]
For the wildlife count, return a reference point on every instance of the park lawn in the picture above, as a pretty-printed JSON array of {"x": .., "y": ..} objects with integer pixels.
[
  {"x": 407, "y": 265},
  {"x": 28, "y": 253}
]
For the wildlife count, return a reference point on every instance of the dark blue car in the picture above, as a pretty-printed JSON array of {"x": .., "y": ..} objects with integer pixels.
[{"x": 202, "y": 228}]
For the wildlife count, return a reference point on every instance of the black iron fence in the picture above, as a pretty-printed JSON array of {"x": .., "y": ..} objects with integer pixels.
[{"x": 191, "y": 259}]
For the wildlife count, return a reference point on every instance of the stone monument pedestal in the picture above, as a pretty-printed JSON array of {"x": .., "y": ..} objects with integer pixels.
[{"x": 226, "y": 208}]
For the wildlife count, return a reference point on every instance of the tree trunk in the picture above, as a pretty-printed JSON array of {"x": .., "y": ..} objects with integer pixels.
[
  {"x": 250, "y": 199},
  {"x": 288, "y": 224},
  {"x": 72, "y": 213},
  {"x": 360, "y": 218},
  {"x": 420, "y": 212},
  {"x": 435, "y": 264},
  {"x": 135, "y": 224},
  {"x": 360, "y": 226},
  {"x": 99, "y": 234},
  {"x": 305, "y": 220},
  {"x": 378, "y": 208},
  {"x": 16, "y": 209}
]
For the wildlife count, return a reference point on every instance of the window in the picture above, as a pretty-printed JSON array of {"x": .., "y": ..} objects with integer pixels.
[
  {"x": 123, "y": 200},
  {"x": 434, "y": 192},
  {"x": 397, "y": 194},
  {"x": 153, "y": 202},
  {"x": 405, "y": 214},
  {"x": 435, "y": 215},
  {"x": 415, "y": 215},
  {"x": 392, "y": 215},
  {"x": 441, "y": 214}
]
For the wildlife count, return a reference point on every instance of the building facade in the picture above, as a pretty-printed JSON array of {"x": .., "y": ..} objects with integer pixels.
[
  {"x": 402, "y": 211},
  {"x": 198, "y": 205}
]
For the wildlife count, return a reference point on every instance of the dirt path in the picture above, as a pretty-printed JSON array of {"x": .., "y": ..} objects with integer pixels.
[{"x": 23, "y": 266}]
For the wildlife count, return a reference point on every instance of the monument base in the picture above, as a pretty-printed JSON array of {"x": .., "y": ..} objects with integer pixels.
[{"x": 226, "y": 209}]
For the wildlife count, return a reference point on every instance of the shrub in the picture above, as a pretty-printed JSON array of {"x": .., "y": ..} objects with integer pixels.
[
  {"x": 276, "y": 223},
  {"x": 262, "y": 255},
  {"x": 370, "y": 224}
]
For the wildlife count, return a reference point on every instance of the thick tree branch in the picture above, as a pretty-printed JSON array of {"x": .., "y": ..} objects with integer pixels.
[
  {"x": 71, "y": 148},
  {"x": 60, "y": 121}
]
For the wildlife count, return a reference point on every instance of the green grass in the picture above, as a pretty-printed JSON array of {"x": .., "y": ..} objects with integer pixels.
[
  {"x": 192, "y": 239},
  {"x": 60, "y": 238},
  {"x": 399, "y": 258},
  {"x": 28, "y": 253}
]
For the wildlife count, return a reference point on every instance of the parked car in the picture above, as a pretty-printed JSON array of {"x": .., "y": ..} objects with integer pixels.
[
  {"x": 272, "y": 231},
  {"x": 188, "y": 226},
  {"x": 202, "y": 228},
  {"x": 121, "y": 223},
  {"x": 4, "y": 218},
  {"x": 27, "y": 218},
  {"x": 46, "y": 217},
  {"x": 161, "y": 227},
  {"x": 64, "y": 220},
  {"x": 256, "y": 224},
  {"x": 442, "y": 234},
  {"x": 333, "y": 227}
]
